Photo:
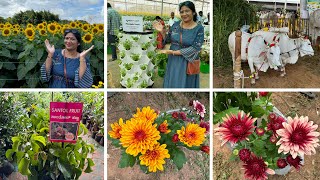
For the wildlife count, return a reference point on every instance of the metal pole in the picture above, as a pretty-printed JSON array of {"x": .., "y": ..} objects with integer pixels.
[
  {"x": 161, "y": 8},
  {"x": 237, "y": 63}
]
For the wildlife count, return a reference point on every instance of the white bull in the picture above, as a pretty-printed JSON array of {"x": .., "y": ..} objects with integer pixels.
[
  {"x": 257, "y": 52},
  {"x": 290, "y": 48}
]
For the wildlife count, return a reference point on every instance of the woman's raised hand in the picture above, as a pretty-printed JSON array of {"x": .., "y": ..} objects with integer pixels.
[
  {"x": 85, "y": 52},
  {"x": 50, "y": 49},
  {"x": 157, "y": 26}
]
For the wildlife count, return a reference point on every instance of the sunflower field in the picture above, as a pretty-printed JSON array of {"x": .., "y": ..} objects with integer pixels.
[{"x": 22, "y": 50}]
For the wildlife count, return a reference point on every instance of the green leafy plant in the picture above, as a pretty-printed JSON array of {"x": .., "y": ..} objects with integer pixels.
[
  {"x": 145, "y": 46},
  {"x": 122, "y": 54},
  {"x": 128, "y": 66},
  {"x": 144, "y": 84},
  {"x": 123, "y": 72},
  {"x": 135, "y": 38},
  {"x": 127, "y": 44},
  {"x": 135, "y": 57},
  {"x": 143, "y": 66},
  {"x": 39, "y": 158}
]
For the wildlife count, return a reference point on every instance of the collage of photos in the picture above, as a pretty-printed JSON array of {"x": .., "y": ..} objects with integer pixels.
[{"x": 187, "y": 89}]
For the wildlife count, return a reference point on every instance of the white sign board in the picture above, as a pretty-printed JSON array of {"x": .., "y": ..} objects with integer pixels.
[{"x": 132, "y": 23}]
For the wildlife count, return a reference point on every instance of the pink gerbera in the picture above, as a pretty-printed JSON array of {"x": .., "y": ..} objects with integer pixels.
[
  {"x": 201, "y": 110},
  {"x": 298, "y": 136},
  {"x": 236, "y": 127},
  {"x": 256, "y": 168}
]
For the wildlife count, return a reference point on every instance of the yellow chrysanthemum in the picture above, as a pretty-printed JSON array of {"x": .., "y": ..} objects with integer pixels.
[
  {"x": 85, "y": 27},
  {"x": 30, "y": 25},
  {"x": 87, "y": 38},
  {"x": 52, "y": 28},
  {"x": 6, "y": 32},
  {"x": 154, "y": 158},
  {"x": 29, "y": 33},
  {"x": 42, "y": 32},
  {"x": 73, "y": 24},
  {"x": 163, "y": 127},
  {"x": 146, "y": 113},
  {"x": 138, "y": 136},
  {"x": 192, "y": 135},
  {"x": 40, "y": 26},
  {"x": 116, "y": 128},
  {"x": 100, "y": 27}
]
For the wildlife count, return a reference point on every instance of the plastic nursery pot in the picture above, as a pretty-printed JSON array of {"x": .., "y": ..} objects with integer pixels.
[
  {"x": 94, "y": 133},
  {"x": 102, "y": 141},
  {"x": 204, "y": 68},
  {"x": 98, "y": 137}
]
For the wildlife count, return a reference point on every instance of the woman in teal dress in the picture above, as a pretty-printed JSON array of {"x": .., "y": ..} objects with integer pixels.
[
  {"x": 182, "y": 52},
  {"x": 69, "y": 67}
]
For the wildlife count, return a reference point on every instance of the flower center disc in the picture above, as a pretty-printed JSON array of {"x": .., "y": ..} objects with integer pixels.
[
  {"x": 237, "y": 129},
  {"x": 140, "y": 135},
  {"x": 297, "y": 137},
  {"x": 192, "y": 135},
  {"x": 256, "y": 167}
]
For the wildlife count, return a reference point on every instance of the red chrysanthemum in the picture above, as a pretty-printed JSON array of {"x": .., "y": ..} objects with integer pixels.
[
  {"x": 175, "y": 115},
  {"x": 183, "y": 116},
  {"x": 298, "y": 136},
  {"x": 256, "y": 169},
  {"x": 244, "y": 155},
  {"x": 236, "y": 127},
  {"x": 294, "y": 162},
  {"x": 260, "y": 131},
  {"x": 201, "y": 110},
  {"x": 206, "y": 125},
  {"x": 263, "y": 93},
  {"x": 275, "y": 123},
  {"x": 281, "y": 163},
  {"x": 175, "y": 138},
  {"x": 205, "y": 149},
  {"x": 273, "y": 139}
]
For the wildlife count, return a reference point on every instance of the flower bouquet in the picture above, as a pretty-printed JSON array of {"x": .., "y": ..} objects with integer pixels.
[
  {"x": 150, "y": 137},
  {"x": 260, "y": 136}
]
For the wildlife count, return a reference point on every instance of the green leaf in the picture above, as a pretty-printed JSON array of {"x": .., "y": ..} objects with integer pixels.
[
  {"x": 144, "y": 169},
  {"x": 126, "y": 160},
  {"x": 98, "y": 44},
  {"x": 9, "y": 66},
  {"x": 63, "y": 169},
  {"x": 35, "y": 146},
  {"x": 45, "y": 129},
  {"x": 39, "y": 53},
  {"x": 9, "y": 154},
  {"x": 21, "y": 55},
  {"x": 218, "y": 117},
  {"x": 22, "y": 71},
  {"x": 5, "y": 53},
  {"x": 23, "y": 167},
  {"x": 32, "y": 80},
  {"x": 40, "y": 139},
  {"x": 90, "y": 164},
  {"x": 55, "y": 152},
  {"x": 2, "y": 82},
  {"x": 179, "y": 158}
]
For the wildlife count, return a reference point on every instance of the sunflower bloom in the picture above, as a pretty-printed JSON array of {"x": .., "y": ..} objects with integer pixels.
[
  {"x": 154, "y": 158},
  {"x": 30, "y": 25},
  {"x": 95, "y": 30},
  {"x": 298, "y": 136},
  {"x": 85, "y": 27},
  {"x": 52, "y": 28},
  {"x": 146, "y": 113},
  {"x": 116, "y": 128},
  {"x": 192, "y": 135},
  {"x": 15, "y": 31},
  {"x": 87, "y": 38},
  {"x": 29, "y": 33},
  {"x": 2, "y": 26},
  {"x": 138, "y": 136},
  {"x": 100, "y": 27},
  {"x": 236, "y": 128},
  {"x": 163, "y": 127},
  {"x": 73, "y": 25},
  {"x": 42, "y": 32},
  {"x": 6, "y": 32},
  {"x": 40, "y": 26}
]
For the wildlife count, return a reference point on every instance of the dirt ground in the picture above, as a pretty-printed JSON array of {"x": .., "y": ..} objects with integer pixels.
[
  {"x": 304, "y": 74},
  {"x": 123, "y": 105},
  {"x": 289, "y": 104}
]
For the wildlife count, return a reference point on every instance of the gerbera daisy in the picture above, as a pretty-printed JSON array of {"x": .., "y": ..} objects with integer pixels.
[
  {"x": 201, "y": 110},
  {"x": 6, "y": 32},
  {"x": 154, "y": 158},
  {"x": 298, "y": 136},
  {"x": 275, "y": 123},
  {"x": 255, "y": 168},
  {"x": 236, "y": 128},
  {"x": 87, "y": 38},
  {"x": 146, "y": 113},
  {"x": 116, "y": 128},
  {"x": 192, "y": 135},
  {"x": 138, "y": 135},
  {"x": 163, "y": 127}
]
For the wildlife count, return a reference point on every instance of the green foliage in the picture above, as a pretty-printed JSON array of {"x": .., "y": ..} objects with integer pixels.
[
  {"x": 135, "y": 57},
  {"x": 228, "y": 16},
  {"x": 34, "y": 17},
  {"x": 127, "y": 44},
  {"x": 161, "y": 60}
]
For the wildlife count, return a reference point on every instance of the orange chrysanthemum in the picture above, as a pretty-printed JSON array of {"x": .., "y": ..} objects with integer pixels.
[
  {"x": 192, "y": 135},
  {"x": 163, "y": 127},
  {"x": 146, "y": 113},
  {"x": 154, "y": 158},
  {"x": 138, "y": 135},
  {"x": 116, "y": 128}
]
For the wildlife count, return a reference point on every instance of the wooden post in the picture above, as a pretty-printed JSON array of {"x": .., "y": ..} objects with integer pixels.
[{"x": 237, "y": 63}]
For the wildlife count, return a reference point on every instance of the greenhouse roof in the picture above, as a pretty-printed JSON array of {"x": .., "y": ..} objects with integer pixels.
[{"x": 278, "y": 1}]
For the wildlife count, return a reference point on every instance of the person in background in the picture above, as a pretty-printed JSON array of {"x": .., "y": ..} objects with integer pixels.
[
  {"x": 200, "y": 18},
  {"x": 172, "y": 19},
  {"x": 160, "y": 44},
  {"x": 68, "y": 67},
  {"x": 113, "y": 23},
  {"x": 186, "y": 37},
  {"x": 207, "y": 20}
]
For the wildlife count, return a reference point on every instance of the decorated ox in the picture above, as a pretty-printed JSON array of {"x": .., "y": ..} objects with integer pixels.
[
  {"x": 258, "y": 53},
  {"x": 290, "y": 48}
]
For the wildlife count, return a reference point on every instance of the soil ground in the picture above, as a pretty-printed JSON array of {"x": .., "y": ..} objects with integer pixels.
[
  {"x": 123, "y": 105},
  {"x": 304, "y": 74},
  {"x": 289, "y": 104}
]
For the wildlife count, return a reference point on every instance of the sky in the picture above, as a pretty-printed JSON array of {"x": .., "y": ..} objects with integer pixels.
[{"x": 88, "y": 10}]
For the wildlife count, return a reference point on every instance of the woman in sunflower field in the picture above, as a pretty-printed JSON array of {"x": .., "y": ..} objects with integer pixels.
[{"x": 69, "y": 67}]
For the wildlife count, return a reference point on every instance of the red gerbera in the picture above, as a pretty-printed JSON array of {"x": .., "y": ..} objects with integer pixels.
[
  {"x": 256, "y": 169},
  {"x": 236, "y": 127},
  {"x": 294, "y": 162}
]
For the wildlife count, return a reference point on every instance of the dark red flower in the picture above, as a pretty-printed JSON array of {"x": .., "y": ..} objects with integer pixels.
[
  {"x": 260, "y": 131},
  {"x": 255, "y": 168},
  {"x": 175, "y": 138},
  {"x": 183, "y": 116},
  {"x": 273, "y": 139},
  {"x": 175, "y": 115},
  {"x": 206, "y": 125},
  {"x": 263, "y": 93},
  {"x": 191, "y": 103},
  {"x": 272, "y": 116},
  {"x": 275, "y": 124},
  {"x": 281, "y": 163},
  {"x": 294, "y": 162},
  {"x": 205, "y": 149},
  {"x": 244, "y": 155}
]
